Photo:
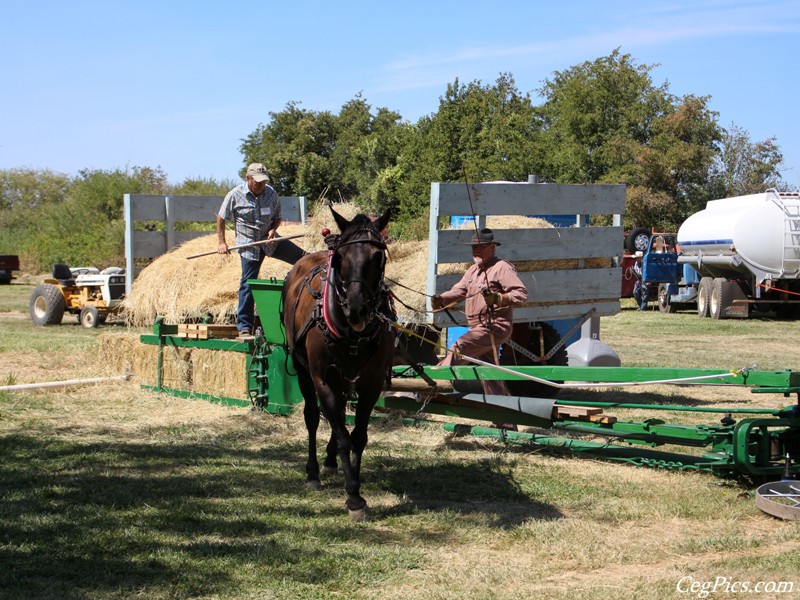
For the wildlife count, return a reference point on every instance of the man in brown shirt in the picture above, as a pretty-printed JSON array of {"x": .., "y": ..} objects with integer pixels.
[{"x": 490, "y": 289}]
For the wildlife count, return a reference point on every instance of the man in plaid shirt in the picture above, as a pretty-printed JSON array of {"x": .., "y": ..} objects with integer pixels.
[{"x": 256, "y": 213}]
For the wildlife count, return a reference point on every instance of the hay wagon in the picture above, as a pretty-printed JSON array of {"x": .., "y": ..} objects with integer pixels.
[{"x": 574, "y": 274}]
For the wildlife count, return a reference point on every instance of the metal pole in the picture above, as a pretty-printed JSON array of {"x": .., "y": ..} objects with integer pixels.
[{"x": 57, "y": 384}]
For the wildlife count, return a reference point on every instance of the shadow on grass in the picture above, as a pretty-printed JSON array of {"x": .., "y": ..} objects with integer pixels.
[
  {"x": 484, "y": 487},
  {"x": 179, "y": 518}
]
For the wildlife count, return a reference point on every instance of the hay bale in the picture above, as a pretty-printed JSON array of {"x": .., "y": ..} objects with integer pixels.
[
  {"x": 219, "y": 373},
  {"x": 123, "y": 352}
]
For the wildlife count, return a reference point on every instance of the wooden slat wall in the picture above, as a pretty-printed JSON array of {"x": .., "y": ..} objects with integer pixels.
[
  {"x": 563, "y": 268},
  {"x": 175, "y": 209}
]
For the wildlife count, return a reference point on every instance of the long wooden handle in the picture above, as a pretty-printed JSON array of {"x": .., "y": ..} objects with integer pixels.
[{"x": 272, "y": 241}]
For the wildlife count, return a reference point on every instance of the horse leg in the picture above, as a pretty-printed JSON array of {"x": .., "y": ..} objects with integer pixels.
[
  {"x": 356, "y": 505},
  {"x": 311, "y": 417},
  {"x": 359, "y": 436},
  {"x": 330, "y": 466}
]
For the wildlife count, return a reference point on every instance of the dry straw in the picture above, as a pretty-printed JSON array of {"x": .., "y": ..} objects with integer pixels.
[{"x": 182, "y": 290}]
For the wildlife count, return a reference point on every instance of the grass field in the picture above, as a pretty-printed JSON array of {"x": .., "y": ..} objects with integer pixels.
[{"x": 108, "y": 491}]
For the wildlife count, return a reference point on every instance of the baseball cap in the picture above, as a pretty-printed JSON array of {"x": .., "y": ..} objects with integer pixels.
[{"x": 258, "y": 172}]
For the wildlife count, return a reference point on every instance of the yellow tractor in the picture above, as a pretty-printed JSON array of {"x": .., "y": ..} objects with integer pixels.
[{"x": 87, "y": 292}]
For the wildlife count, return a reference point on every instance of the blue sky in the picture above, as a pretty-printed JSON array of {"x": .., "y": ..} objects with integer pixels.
[{"x": 115, "y": 84}]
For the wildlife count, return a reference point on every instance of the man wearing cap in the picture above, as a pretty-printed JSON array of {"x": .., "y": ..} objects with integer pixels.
[
  {"x": 256, "y": 213},
  {"x": 490, "y": 289}
]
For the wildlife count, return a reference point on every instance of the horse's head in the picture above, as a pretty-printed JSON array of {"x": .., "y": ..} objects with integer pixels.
[{"x": 359, "y": 259}]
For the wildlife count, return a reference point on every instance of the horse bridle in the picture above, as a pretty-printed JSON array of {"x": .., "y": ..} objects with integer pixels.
[{"x": 339, "y": 286}]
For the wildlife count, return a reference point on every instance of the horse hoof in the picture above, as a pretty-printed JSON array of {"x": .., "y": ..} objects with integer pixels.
[
  {"x": 360, "y": 515},
  {"x": 329, "y": 470},
  {"x": 314, "y": 485}
]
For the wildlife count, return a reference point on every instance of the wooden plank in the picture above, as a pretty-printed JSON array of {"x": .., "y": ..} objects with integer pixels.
[
  {"x": 536, "y": 244},
  {"x": 148, "y": 244},
  {"x": 530, "y": 199},
  {"x": 205, "y": 331},
  {"x": 563, "y": 412},
  {"x": 147, "y": 207}
]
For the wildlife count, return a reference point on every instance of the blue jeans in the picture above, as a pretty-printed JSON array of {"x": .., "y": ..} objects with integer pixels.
[
  {"x": 245, "y": 314},
  {"x": 641, "y": 294}
]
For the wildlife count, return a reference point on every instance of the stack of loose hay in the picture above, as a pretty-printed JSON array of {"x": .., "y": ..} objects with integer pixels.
[{"x": 181, "y": 290}]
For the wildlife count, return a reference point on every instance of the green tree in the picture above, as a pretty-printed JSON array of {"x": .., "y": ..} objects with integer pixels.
[
  {"x": 352, "y": 155},
  {"x": 24, "y": 193},
  {"x": 606, "y": 122},
  {"x": 203, "y": 187},
  {"x": 295, "y": 146},
  {"x": 87, "y": 227},
  {"x": 745, "y": 167},
  {"x": 491, "y": 132}
]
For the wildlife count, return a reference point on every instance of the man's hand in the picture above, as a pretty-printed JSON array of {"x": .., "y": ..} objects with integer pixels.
[
  {"x": 222, "y": 248},
  {"x": 436, "y": 302},
  {"x": 492, "y": 298}
]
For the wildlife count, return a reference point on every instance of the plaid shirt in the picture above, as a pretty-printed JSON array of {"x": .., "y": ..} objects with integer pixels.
[{"x": 253, "y": 217}]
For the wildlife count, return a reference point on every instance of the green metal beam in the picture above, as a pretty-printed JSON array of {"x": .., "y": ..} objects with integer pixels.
[
  {"x": 212, "y": 344},
  {"x": 781, "y": 381}
]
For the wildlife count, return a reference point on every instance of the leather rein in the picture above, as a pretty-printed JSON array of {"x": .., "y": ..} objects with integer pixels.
[{"x": 334, "y": 292}]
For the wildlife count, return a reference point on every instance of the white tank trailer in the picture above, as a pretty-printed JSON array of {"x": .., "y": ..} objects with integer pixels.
[{"x": 739, "y": 253}]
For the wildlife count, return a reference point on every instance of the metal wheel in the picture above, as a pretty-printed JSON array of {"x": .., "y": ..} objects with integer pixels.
[
  {"x": 90, "y": 317},
  {"x": 780, "y": 499},
  {"x": 538, "y": 338},
  {"x": 663, "y": 299},
  {"x": 704, "y": 296},
  {"x": 46, "y": 305},
  {"x": 638, "y": 240}
]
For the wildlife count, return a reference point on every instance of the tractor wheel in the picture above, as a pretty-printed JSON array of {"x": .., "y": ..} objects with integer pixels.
[
  {"x": 47, "y": 305},
  {"x": 704, "y": 296},
  {"x": 534, "y": 337},
  {"x": 638, "y": 240},
  {"x": 90, "y": 317}
]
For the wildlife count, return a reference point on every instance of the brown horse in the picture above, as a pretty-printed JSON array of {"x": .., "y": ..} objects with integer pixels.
[{"x": 335, "y": 306}]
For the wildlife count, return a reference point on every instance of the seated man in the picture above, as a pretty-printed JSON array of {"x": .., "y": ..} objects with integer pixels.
[{"x": 490, "y": 289}]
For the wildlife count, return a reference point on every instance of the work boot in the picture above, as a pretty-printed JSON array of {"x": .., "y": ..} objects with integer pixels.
[
  {"x": 245, "y": 334},
  {"x": 506, "y": 426}
]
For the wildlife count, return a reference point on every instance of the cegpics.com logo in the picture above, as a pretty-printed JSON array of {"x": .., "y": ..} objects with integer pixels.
[{"x": 726, "y": 585}]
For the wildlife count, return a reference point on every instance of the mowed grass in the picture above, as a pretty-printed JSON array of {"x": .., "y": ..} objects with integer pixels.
[{"x": 108, "y": 491}]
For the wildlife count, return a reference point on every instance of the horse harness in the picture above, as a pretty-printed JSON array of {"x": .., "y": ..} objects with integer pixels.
[{"x": 333, "y": 289}]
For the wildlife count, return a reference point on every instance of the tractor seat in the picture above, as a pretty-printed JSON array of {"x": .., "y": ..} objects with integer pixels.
[{"x": 63, "y": 273}]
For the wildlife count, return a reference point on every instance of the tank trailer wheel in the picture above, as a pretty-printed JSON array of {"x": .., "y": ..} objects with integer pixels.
[
  {"x": 90, "y": 317},
  {"x": 46, "y": 305},
  {"x": 704, "y": 296}
]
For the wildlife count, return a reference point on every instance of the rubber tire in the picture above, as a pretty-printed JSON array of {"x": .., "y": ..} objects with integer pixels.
[
  {"x": 46, "y": 306},
  {"x": 719, "y": 299},
  {"x": 90, "y": 317},
  {"x": 5, "y": 280},
  {"x": 635, "y": 236},
  {"x": 704, "y": 296},
  {"x": 526, "y": 338},
  {"x": 663, "y": 299}
]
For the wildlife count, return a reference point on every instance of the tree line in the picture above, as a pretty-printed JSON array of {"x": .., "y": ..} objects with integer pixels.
[{"x": 602, "y": 121}]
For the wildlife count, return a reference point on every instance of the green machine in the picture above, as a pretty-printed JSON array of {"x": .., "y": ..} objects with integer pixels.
[{"x": 760, "y": 443}]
